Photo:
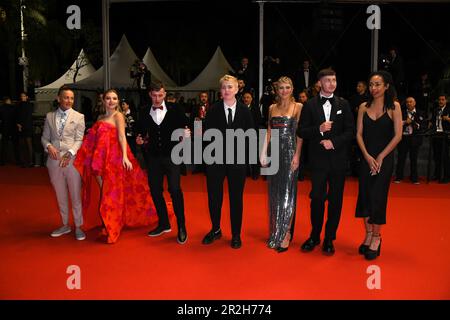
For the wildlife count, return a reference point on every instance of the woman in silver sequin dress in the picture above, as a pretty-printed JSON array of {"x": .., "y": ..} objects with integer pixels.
[{"x": 283, "y": 116}]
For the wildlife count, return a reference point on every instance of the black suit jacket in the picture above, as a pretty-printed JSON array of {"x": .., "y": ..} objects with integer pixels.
[
  {"x": 299, "y": 80},
  {"x": 216, "y": 119},
  {"x": 445, "y": 124},
  {"x": 342, "y": 132},
  {"x": 159, "y": 136},
  {"x": 256, "y": 115}
]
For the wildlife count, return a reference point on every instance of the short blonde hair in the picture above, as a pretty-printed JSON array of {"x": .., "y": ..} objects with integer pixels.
[{"x": 227, "y": 77}]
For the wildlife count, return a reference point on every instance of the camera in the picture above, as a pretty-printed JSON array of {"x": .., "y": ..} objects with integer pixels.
[{"x": 137, "y": 69}]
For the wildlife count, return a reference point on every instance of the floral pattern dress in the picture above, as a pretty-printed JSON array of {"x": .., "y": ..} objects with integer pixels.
[{"x": 125, "y": 197}]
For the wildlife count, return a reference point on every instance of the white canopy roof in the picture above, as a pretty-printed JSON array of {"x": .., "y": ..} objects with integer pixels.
[
  {"x": 85, "y": 70},
  {"x": 120, "y": 63},
  {"x": 156, "y": 70},
  {"x": 209, "y": 78}
]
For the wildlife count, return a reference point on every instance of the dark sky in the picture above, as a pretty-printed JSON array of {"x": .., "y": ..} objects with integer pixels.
[{"x": 184, "y": 35}]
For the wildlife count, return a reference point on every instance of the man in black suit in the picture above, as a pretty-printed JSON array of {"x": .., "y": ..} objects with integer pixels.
[
  {"x": 227, "y": 114},
  {"x": 327, "y": 122},
  {"x": 198, "y": 115},
  {"x": 155, "y": 128},
  {"x": 413, "y": 125},
  {"x": 440, "y": 124},
  {"x": 246, "y": 73},
  {"x": 247, "y": 100},
  {"x": 303, "y": 77}
]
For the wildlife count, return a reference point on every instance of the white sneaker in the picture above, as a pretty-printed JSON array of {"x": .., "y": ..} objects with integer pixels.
[
  {"x": 60, "y": 231},
  {"x": 79, "y": 234}
]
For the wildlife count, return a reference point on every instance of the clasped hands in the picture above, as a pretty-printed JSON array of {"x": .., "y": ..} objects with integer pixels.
[{"x": 374, "y": 164}]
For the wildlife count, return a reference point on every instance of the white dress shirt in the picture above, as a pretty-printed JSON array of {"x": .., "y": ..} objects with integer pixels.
[
  {"x": 233, "y": 110},
  {"x": 327, "y": 108},
  {"x": 306, "y": 75},
  {"x": 158, "y": 114},
  {"x": 439, "y": 127}
]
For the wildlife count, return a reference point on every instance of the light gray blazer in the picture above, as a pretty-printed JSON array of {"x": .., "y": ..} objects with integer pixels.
[{"x": 72, "y": 135}]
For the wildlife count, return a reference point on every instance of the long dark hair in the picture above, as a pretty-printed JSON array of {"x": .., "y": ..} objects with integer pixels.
[{"x": 390, "y": 95}]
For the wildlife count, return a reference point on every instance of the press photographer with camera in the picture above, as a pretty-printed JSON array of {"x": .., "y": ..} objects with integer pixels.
[
  {"x": 141, "y": 75},
  {"x": 141, "y": 80},
  {"x": 414, "y": 123}
]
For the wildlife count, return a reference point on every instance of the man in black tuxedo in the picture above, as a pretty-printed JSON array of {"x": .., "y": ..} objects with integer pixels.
[
  {"x": 304, "y": 77},
  {"x": 227, "y": 114},
  {"x": 440, "y": 124},
  {"x": 413, "y": 126},
  {"x": 327, "y": 123},
  {"x": 246, "y": 73},
  {"x": 155, "y": 128}
]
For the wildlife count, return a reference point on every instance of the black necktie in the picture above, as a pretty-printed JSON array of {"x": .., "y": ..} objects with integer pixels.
[
  {"x": 230, "y": 116},
  {"x": 323, "y": 100}
]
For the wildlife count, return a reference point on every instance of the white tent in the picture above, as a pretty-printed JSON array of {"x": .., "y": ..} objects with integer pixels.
[
  {"x": 209, "y": 78},
  {"x": 46, "y": 94},
  {"x": 85, "y": 69},
  {"x": 120, "y": 64},
  {"x": 156, "y": 70}
]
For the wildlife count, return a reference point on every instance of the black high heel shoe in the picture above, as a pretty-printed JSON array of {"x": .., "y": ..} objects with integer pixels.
[
  {"x": 363, "y": 247},
  {"x": 373, "y": 254}
]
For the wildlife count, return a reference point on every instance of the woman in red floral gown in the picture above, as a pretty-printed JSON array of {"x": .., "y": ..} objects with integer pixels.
[{"x": 124, "y": 194}]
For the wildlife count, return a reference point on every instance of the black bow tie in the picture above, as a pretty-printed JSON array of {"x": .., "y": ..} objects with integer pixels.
[{"x": 323, "y": 100}]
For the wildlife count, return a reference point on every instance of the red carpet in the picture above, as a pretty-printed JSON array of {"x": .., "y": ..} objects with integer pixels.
[{"x": 414, "y": 261}]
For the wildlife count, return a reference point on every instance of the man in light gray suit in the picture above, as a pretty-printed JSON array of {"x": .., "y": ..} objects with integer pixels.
[{"x": 62, "y": 137}]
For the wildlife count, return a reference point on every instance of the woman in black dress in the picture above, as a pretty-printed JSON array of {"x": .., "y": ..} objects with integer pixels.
[{"x": 379, "y": 130}]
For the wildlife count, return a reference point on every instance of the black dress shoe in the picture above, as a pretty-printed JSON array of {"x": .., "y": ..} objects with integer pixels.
[
  {"x": 327, "y": 247},
  {"x": 159, "y": 230},
  {"x": 236, "y": 242},
  {"x": 211, "y": 236},
  {"x": 182, "y": 235},
  {"x": 309, "y": 245}
]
